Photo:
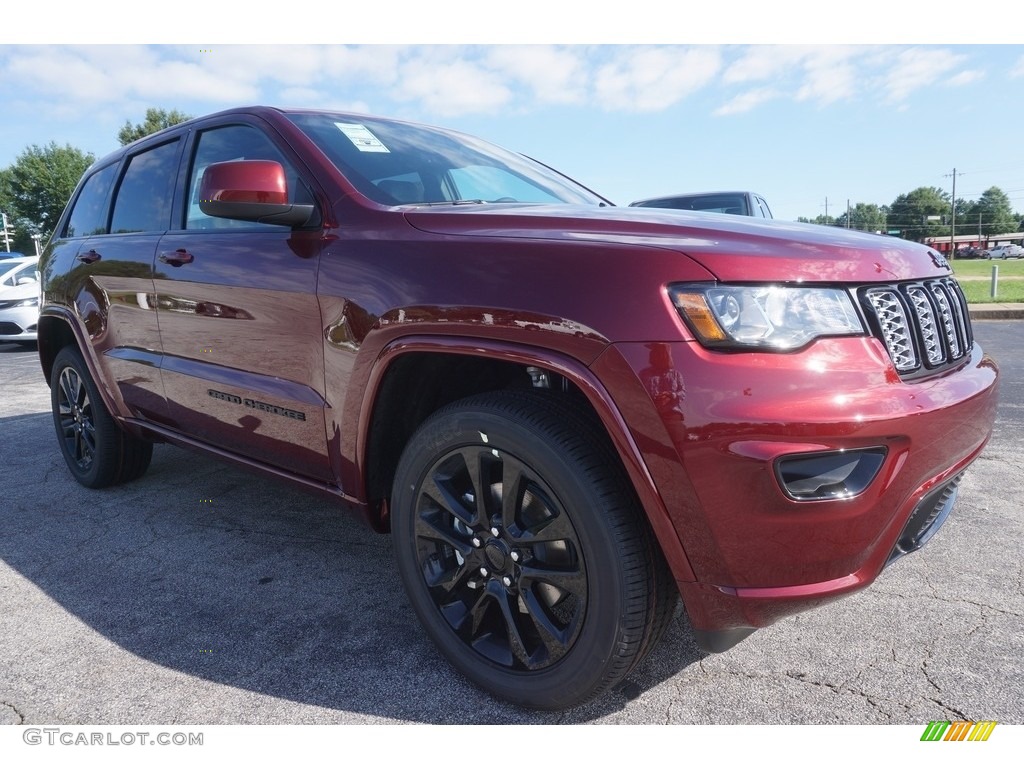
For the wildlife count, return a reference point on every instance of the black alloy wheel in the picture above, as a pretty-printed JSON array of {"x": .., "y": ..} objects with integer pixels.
[
  {"x": 97, "y": 451},
  {"x": 500, "y": 557},
  {"x": 524, "y": 552},
  {"x": 74, "y": 411}
]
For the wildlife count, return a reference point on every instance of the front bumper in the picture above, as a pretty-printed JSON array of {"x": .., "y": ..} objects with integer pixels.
[
  {"x": 712, "y": 425},
  {"x": 19, "y": 323}
]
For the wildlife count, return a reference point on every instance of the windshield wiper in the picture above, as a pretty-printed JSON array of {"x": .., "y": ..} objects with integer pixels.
[{"x": 451, "y": 202}]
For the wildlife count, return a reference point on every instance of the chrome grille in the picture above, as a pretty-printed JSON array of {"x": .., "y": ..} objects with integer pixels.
[
  {"x": 948, "y": 320},
  {"x": 924, "y": 325},
  {"x": 895, "y": 328},
  {"x": 929, "y": 335}
]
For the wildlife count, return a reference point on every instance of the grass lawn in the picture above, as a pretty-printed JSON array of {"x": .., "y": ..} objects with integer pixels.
[
  {"x": 983, "y": 267},
  {"x": 975, "y": 276}
]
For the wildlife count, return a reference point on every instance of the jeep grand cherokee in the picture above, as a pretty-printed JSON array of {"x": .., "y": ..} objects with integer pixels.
[{"x": 567, "y": 414}]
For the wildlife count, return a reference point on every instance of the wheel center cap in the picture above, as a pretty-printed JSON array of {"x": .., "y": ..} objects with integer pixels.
[{"x": 497, "y": 555}]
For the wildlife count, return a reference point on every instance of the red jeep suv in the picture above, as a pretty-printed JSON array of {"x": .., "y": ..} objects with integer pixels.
[{"x": 567, "y": 414}]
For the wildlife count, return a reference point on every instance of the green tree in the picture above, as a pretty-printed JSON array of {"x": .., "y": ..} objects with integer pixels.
[
  {"x": 866, "y": 217},
  {"x": 16, "y": 242},
  {"x": 156, "y": 120},
  {"x": 925, "y": 212},
  {"x": 37, "y": 186},
  {"x": 993, "y": 211},
  {"x": 825, "y": 221}
]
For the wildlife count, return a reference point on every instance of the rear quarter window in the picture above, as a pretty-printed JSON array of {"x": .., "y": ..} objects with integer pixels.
[{"x": 89, "y": 215}]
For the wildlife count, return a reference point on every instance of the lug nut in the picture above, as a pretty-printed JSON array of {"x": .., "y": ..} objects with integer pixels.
[
  {"x": 515, "y": 557},
  {"x": 476, "y": 542},
  {"x": 495, "y": 532},
  {"x": 507, "y": 581},
  {"x": 483, "y": 571}
]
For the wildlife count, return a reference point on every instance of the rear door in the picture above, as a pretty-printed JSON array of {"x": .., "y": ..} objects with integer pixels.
[
  {"x": 239, "y": 320},
  {"x": 109, "y": 279}
]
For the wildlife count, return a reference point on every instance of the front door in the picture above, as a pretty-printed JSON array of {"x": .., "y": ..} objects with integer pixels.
[{"x": 240, "y": 325}]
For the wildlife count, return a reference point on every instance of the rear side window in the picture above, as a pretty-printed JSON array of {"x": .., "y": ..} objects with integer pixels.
[
  {"x": 143, "y": 201},
  {"x": 89, "y": 216}
]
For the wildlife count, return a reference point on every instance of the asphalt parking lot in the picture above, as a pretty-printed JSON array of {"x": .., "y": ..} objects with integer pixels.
[{"x": 203, "y": 594}]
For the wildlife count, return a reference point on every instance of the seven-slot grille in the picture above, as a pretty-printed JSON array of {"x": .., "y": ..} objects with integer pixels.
[{"x": 924, "y": 325}]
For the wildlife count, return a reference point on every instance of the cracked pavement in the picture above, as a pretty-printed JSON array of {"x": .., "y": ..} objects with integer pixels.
[{"x": 203, "y": 594}]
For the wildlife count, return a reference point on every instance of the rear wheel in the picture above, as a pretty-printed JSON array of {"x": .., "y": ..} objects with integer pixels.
[
  {"x": 97, "y": 451},
  {"x": 524, "y": 551}
]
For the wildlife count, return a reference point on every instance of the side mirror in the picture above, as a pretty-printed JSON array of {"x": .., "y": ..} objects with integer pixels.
[{"x": 250, "y": 190}]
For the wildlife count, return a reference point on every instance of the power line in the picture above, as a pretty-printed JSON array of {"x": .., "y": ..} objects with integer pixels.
[{"x": 952, "y": 220}]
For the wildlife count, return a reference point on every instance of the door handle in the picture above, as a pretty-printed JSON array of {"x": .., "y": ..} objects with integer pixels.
[
  {"x": 89, "y": 256},
  {"x": 176, "y": 258}
]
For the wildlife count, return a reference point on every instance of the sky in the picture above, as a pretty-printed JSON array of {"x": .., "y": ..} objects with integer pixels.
[
  {"x": 798, "y": 100},
  {"x": 807, "y": 116}
]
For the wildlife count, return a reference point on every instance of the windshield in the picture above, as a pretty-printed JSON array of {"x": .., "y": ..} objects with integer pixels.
[
  {"x": 713, "y": 203},
  {"x": 396, "y": 163}
]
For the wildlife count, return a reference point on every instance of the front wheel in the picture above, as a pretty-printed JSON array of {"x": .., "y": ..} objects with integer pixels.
[
  {"x": 524, "y": 552},
  {"x": 94, "y": 447}
]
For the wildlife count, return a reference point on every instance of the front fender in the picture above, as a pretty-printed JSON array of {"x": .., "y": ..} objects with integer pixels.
[{"x": 574, "y": 371}]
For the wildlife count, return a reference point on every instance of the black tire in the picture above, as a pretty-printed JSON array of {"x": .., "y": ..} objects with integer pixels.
[
  {"x": 546, "y": 596},
  {"x": 97, "y": 451}
]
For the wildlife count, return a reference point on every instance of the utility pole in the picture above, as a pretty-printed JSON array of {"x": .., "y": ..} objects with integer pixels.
[
  {"x": 952, "y": 219},
  {"x": 847, "y": 213},
  {"x": 826, "y": 209},
  {"x": 6, "y": 234}
]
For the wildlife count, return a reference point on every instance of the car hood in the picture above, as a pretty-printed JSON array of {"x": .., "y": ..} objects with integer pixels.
[
  {"x": 733, "y": 248},
  {"x": 16, "y": 292}
]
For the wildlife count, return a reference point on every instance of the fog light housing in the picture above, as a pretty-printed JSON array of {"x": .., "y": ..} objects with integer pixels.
[{"x": 828, "y": 476}]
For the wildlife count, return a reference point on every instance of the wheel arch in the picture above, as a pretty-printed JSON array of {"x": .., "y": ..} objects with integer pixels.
[
  {"x": 58, "y": 329},
  {"x": 382, "y": 431}
]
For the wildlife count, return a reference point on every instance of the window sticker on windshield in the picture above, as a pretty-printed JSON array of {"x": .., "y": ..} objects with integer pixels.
[{"x": 362, "y": 137}]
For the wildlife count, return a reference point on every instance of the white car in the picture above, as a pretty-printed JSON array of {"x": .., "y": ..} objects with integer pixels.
[
  {"x": 1006, "y": 252},
  {"x": 19, "y": 299}
]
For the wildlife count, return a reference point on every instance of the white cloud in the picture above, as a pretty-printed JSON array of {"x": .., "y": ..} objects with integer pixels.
[
  {"x": 554, "y": 75},
  {"x": 747, "y": 101},
  {"x": 459, "y": 79},
  {"x": 449, "y": 84},
  {"x": 820, "y": 73},
  {"x": 364, "y": 63},
  {"x": 1018, "y": 68},
  {"x": 654, "y": 78},
  {"x": 917, "y": 68},
  {"x": 826, "y": 85},
  {"x": 831, "y": 74},
  {"x": 765, "y": 62},
  {"x": 92, "y": 75},
  {"x": 301, "y": 96},
  {"x": 966, "y": 77}
]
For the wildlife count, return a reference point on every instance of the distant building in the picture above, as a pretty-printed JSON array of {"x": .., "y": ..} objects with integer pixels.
[{"x": 961, "y": 242}]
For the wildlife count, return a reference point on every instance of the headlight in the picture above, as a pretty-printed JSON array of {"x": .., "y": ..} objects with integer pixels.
[
  {"x": 32, "y": 302},
  {"x": 773, "y": 317}
]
